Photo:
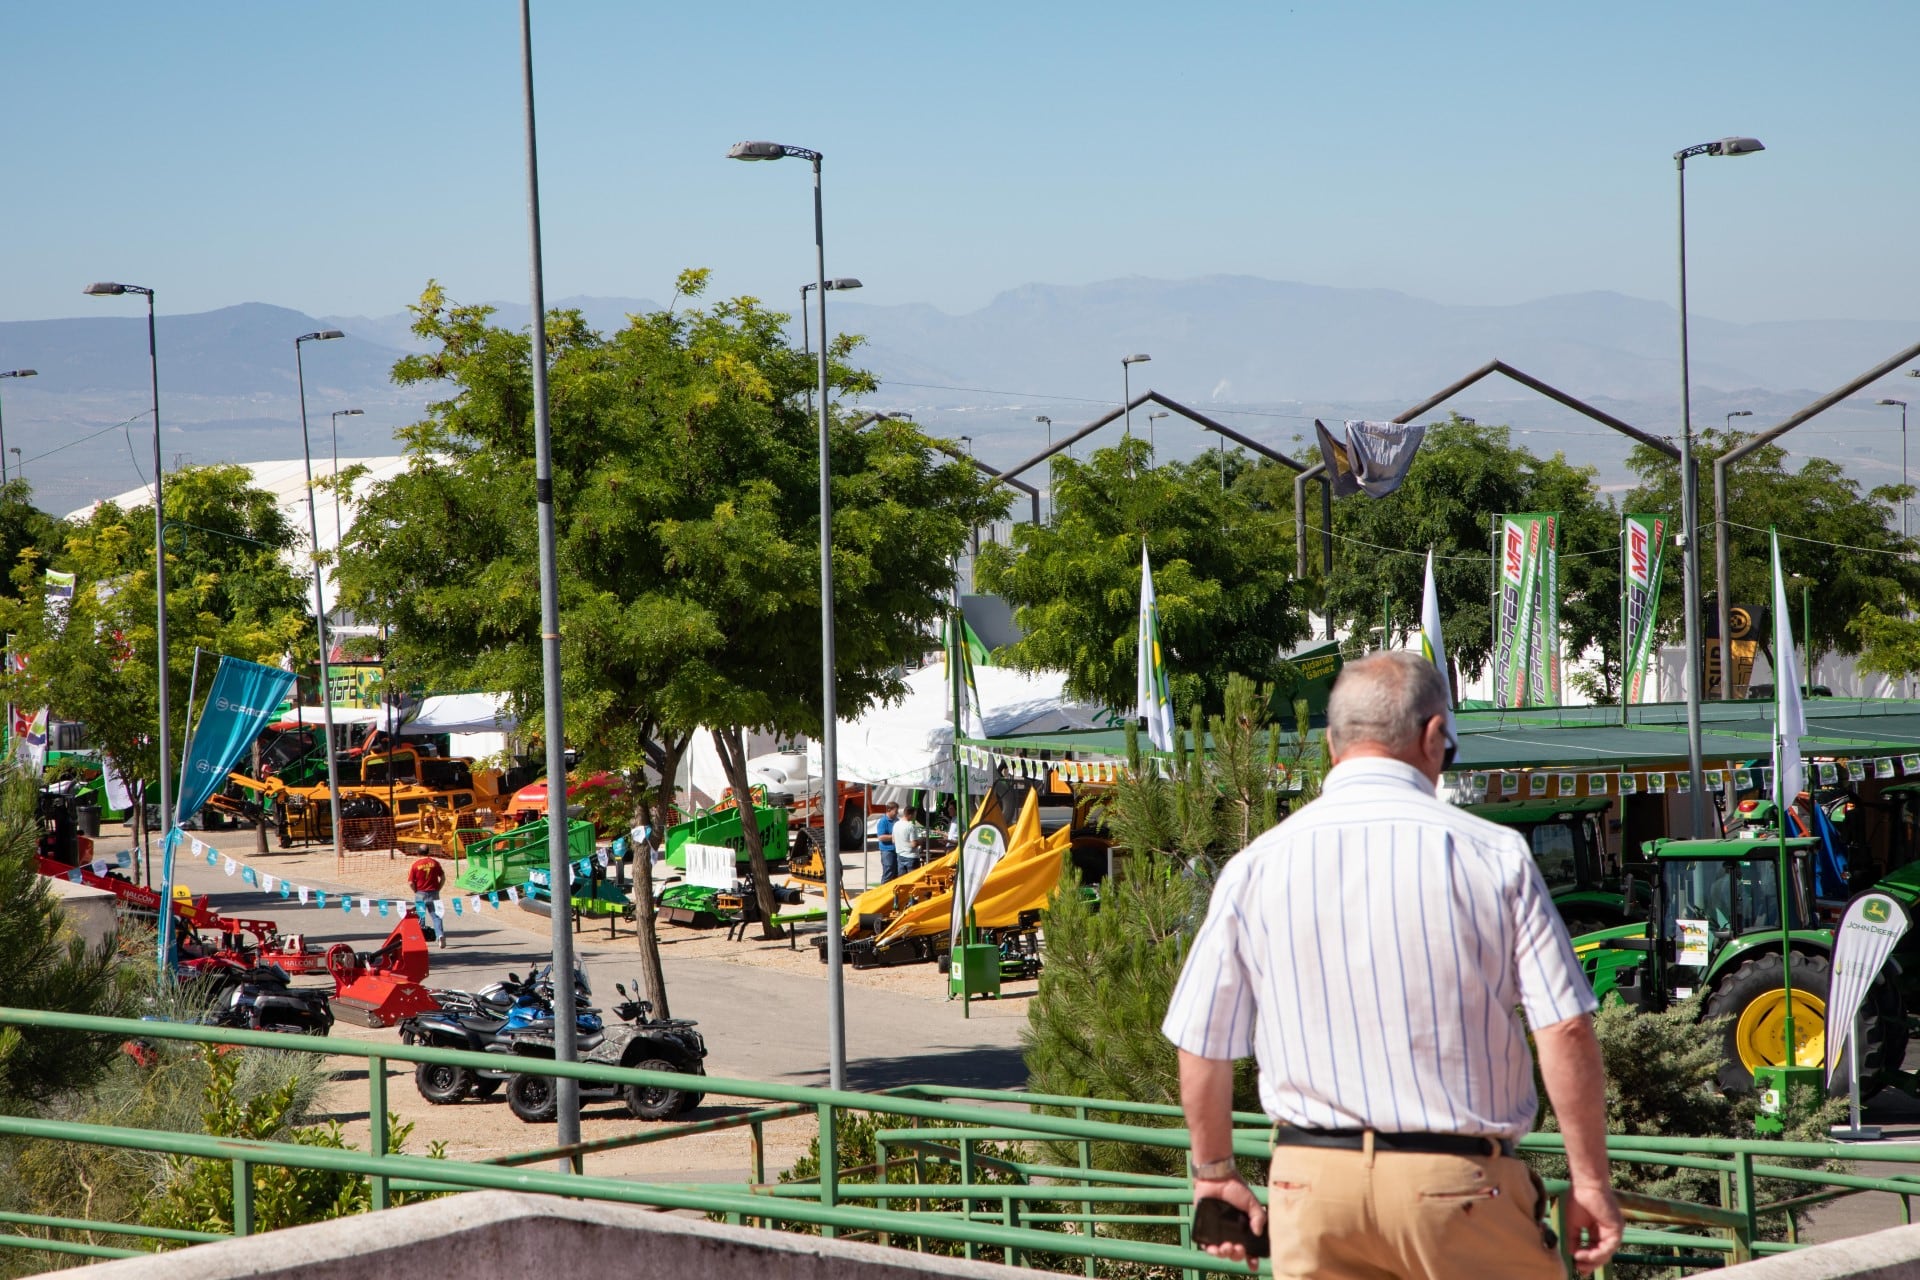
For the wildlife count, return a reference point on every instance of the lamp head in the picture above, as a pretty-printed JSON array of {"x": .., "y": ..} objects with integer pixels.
[
  {"x": 104, "y": 288},
  {"x": 21, "y": 373},
  {"x": 1913, "y": 373},
  {"x": 770, "y": 151},
  {"x": 1741, "y": 413},
  {"x": 1139, "y": 358},
  {"x": 350, "y": 413},
  {"x": 1043, "y": 418},
  {"x": 1901, "y": 403},
  {"x": 1737, "y": 147},
  {"x": 843, "y": 282},
  {"x": 1152, "y": 416}
]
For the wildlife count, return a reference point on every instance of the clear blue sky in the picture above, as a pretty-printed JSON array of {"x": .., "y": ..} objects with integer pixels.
[{"x": 333, "y": 157}]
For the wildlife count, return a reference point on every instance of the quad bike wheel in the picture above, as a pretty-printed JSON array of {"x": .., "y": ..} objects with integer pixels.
[
  {"x": 648, "y": 1102},
  {"x": 533, "y": 1098},
  {"x": 441, "y": 1084},
  {"x": 1752, "y": 998}
]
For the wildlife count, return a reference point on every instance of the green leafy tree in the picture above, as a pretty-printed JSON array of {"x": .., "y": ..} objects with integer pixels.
[
  {"x": 1222, "y": 574},
  {"x": 1093, "y": 1030},
  {"x": 1842, "y": 544},
  {"x": 1465, "y": 474},
  {"x": 686, "y": 505},
  {"x": 47, "y": 966},
  {"x": 230, "y": 590},
  {"x": 26, "y": 532}
]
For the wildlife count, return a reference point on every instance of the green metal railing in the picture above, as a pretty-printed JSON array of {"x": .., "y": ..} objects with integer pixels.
[{"x": 1017, "y": 1204}]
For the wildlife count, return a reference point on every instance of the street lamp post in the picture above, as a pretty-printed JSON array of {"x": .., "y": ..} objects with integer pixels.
[
  {"x": 829, "y": 702},
  {"x": 319, "y": 596},
  {"x": 552, "y": 699},
  {"x": 1689, "y": 504},
  {"x": 11, "y": 373},
  {"x": 1126, "y": 386},
  {"x": 334, "y": 430},
  {"x": 1903, "y": 459},
  {"x": 107, "y": 289},
  {"x": 806, "y": 343},
  {"x": 1151, "y": 419},
  {"x": 1737, "y": 413},
  {"x": 18, "y": 465},
  {"x": 1047, "y": 422}
]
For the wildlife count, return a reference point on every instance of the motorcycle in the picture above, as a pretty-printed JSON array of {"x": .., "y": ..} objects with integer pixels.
[
  {"x": 477, "y": 1021},
  {"x": 637, "y": 1040}
]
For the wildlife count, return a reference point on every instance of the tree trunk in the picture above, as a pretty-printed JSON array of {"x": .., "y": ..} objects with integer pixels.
[
  {"x": 733, "y": 758},
  {"x": 655, "y": 805}
]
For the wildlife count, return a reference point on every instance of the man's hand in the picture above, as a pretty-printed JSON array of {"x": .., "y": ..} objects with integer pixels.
[
  {"x": 1237, "y": 1193},
  {"x": 1592, "y": 1210}
]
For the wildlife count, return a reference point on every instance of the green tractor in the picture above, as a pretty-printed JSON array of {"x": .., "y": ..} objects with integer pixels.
[
  {"x": 1714, "y": 932},
  {"x": 1569, "y": 841}
]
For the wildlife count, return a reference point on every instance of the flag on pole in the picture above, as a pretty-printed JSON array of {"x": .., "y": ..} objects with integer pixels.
[
  {"x": 968, "y": 722},
  {"x": 1153, "y": 699},
  {"x": 1790, "y": 717},
  {"x": 1431, "y": 645}
]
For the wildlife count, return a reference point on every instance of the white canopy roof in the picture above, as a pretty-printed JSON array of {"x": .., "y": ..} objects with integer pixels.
[{"x": 462, "y": 713}]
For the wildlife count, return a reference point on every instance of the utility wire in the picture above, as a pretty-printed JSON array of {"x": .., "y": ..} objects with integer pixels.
[
  {"x": 1818, "y": 542},
  {"x": 83, "y": 439}
]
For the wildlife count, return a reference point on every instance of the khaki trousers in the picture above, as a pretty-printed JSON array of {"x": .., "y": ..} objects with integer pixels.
[{"x": 1388, "y": 1215}]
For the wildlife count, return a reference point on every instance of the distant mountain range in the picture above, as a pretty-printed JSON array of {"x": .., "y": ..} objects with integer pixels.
[{"x": 1266, "y": 356}]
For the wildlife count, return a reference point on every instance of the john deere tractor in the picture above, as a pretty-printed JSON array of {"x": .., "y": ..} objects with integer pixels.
[
  {"x": 1714, "y": 931},
  {"x": 1569, "y": 841}
]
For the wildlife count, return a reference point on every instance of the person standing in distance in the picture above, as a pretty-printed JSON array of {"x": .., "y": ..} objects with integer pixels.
[
  {"x": 426, "y": 877},
  {"x": 1371, "y": 953},
  {"x": 889, "y": 850}
]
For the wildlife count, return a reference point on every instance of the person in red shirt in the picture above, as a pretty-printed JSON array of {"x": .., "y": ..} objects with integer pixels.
[{"x": 426, "y": 878}]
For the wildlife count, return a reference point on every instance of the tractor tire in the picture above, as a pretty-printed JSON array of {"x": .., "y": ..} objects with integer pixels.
[
  {"x": 533, "y": 1098},
  {"x": 652, "y": 1103},
  {"x": 1750, "y": 997},
  {"x": 283, "y": 827},
  {"x": 853, "y": 828},
  {"x": 441, "y": 1084}
]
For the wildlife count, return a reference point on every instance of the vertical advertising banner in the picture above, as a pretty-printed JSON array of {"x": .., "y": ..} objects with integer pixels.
[
  {"x": 1526, "y": 648},
  {"x": 1640, "y": 579}
]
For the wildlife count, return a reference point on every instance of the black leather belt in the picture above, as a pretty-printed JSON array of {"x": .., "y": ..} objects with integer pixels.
[{"x": 1435, "y": 1144}]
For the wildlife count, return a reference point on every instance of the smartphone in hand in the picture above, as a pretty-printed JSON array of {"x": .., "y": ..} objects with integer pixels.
[{"x": 1217, "y": 1222}]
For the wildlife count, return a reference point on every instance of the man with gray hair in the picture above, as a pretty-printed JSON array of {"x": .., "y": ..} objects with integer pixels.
[{"x": 1371, "y": 952}]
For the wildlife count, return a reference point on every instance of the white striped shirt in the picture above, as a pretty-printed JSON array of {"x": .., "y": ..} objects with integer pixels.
[{"x": 1371, "y": 952}]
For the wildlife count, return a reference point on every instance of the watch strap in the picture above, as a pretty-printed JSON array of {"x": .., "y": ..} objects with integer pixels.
[{"x": 1216, "y": 1170}]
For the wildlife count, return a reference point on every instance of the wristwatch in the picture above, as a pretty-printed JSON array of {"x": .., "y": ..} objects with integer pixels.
[{"x": 1216, "y": 1170}]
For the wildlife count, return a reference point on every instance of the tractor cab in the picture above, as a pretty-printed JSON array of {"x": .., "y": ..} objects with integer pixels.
[
  {"x": 1569, "y": 842},
  {"x": 1713, "y": 893}
]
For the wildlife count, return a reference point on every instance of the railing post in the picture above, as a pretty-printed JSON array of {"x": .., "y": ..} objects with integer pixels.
[
  {"x": 242, "y": 1197},
  {"x": 1010, "y": 1214},
  {"x": 1743, "y": 1186},
  {"x": 1091, "y": 1264},
  {"x": 377, "y": 1136},
  {"x": 966, "y": 1198},
  {"x": 829, "y": 1164},
  {"x": 886, "y": 1176}
]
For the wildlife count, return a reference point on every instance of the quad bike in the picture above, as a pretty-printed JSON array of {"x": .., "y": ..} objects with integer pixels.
[
  {"x": 637, "y": 1041},
  {"x": 476, "y": 1020}
]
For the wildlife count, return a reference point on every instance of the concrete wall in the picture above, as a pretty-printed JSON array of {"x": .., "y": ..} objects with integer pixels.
[
  {"x": 91, "y": 913},
  {"x": 503, "y": 1235},
  {"x": 1893, "y": 1254}
]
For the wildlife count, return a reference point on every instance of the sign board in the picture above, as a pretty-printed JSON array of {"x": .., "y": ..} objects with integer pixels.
[
  {"x": 980, "y": 850},
  {"x": 1696, "y": 942},
  {"x": 711, "y": 866},
  {"x": 1868, "y": 931}
]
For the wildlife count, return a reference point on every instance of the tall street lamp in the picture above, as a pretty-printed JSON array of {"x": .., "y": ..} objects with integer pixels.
[
  {"x": 552, "y": 700},
  {"x": 107, "y": 289},
  {"x": 1737, "y": 413},
  {"x": 319, "y": 596},
  {"x": 11, "y": 373},
  {"x": 1126, "y": 387},
  {"x": 829, "y": 703},
  {"x": 1151, "y": 419},
  {"x": 334, "y": 430},
  {"x": 1689, "y": 505},
  {"x": 1044, "y": 420},
  {"x": 806, "y": 343},
  {"x": 1903, "y": 458}
]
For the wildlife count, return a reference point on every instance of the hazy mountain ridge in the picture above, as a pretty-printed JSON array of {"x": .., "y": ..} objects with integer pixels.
[{"x": 1279, "y": 351}]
